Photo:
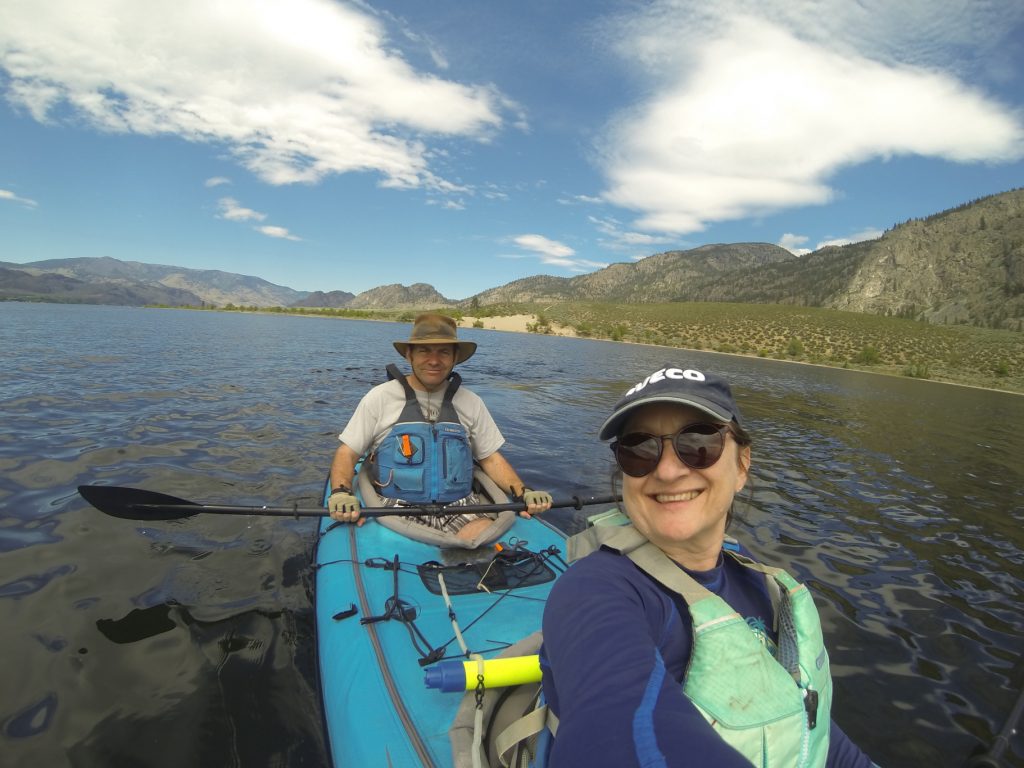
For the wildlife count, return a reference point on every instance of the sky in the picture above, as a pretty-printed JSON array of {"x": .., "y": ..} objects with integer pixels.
[{"x": 327, "y": 145}]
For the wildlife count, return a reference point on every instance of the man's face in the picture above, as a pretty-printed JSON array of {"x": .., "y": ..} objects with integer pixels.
[{"x": 431, "y": 363}]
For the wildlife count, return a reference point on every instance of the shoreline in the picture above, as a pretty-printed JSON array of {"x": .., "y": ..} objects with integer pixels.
[
  {"x": 520, "y": 323},
  {"x": 513, "y": 324}
]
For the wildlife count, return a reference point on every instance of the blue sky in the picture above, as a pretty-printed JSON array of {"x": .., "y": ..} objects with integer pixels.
[{"x": 324, "y": 145}]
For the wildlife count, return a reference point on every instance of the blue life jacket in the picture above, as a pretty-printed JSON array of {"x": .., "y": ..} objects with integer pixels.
[{"x": 421, "y": 461}]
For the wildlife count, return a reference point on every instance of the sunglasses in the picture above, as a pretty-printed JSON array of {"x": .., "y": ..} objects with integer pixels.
[{"x": 698, "y": 446}]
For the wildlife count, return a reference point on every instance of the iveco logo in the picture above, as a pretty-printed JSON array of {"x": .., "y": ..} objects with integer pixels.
[{"x": 666, "y": 373}]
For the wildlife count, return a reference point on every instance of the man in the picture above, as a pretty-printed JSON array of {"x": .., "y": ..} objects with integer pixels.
[{"x": 415, "y": 424}]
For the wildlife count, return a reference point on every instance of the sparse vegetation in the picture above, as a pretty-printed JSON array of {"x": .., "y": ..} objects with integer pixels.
[{"x": 956, "y": 354}]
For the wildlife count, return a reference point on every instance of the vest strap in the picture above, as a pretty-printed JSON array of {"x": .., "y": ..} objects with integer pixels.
[
  {"x": 526, "y": 727},
  {"x": 412, "y": 412}
]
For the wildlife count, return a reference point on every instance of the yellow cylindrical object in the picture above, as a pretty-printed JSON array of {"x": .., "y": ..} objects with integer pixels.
[
  {"x": 452, "y": 675},
  {"x": 501, "y": 672}
]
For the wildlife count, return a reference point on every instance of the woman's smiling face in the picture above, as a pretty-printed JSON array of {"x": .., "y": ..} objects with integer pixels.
[{"x": 682, "y": 510}]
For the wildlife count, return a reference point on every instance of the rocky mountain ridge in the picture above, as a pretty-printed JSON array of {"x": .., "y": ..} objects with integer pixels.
[{"x": 964, "y": 265}]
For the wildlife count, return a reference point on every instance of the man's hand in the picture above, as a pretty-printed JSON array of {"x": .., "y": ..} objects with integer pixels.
[
  {"x": 344, "y": 506},
  {"x": 536, "y": 502}
]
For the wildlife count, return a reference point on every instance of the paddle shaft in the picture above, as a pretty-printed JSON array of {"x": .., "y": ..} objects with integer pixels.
[
  {"x": 138, "y": 504},
  {"x": 993, "y": 756},
  {"x": 424, "y": 510}
]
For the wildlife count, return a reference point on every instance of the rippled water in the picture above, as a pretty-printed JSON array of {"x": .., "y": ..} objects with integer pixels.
[{"x": 190, "y": 642}]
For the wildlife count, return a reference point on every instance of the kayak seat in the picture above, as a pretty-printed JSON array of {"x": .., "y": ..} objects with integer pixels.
[{"x": 416, "y": 531}]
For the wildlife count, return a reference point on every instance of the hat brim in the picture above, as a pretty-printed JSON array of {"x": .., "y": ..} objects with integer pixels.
[
  {"x": 465, "y": 348},
  {"x": 613, "y": 424}
]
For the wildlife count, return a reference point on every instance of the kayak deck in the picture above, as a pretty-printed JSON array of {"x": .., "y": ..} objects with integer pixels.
[{"x": 377, "y": 708}]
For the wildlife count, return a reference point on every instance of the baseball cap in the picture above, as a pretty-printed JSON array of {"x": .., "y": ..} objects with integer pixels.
[{"x": 706, "y": 392}]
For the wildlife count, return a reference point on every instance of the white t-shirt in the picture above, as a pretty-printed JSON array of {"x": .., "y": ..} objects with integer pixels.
[{"x": 380, "y": 408}]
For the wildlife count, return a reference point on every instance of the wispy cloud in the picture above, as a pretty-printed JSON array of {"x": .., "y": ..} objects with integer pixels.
[
  {"x": 216, "y": 181},
  {"x": 543, "y": 245},
  {"x": 579, "y": 199},
  {"x": 857, "y": 237},
  {"x": 755, "y": 106},
  {"x": 795, "y": 243},
  {"x": 556, "y": 254},
  {"x": 231, "y": 210},
  {"x": 617, "y": 238},
  {"x": 295, "y": 90},
  {"x": 6, "y": 194},
  {"x": 279, "y": 232}
]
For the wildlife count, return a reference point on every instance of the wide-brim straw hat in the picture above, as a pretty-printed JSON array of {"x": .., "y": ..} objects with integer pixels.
[{"x": 430, "y": 328}]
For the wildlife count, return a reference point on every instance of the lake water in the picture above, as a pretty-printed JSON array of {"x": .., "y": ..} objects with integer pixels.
[{"x": 900, "y": 501}]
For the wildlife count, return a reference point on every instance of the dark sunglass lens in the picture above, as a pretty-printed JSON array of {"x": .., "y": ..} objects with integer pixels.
[
  {"x": 637, "y": 454},
  {"x": 699, "y": 445}
]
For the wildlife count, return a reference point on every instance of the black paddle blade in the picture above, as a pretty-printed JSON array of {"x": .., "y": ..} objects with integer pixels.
[{"x": 136, "y": 504}]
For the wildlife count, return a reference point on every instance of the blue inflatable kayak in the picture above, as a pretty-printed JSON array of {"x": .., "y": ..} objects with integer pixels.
[{"x": 394, "y": 612}]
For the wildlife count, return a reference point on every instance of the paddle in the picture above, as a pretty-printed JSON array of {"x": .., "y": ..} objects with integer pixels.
[
  {"x": 137, "y": 504},
  {"x": 993, "y": 756}
]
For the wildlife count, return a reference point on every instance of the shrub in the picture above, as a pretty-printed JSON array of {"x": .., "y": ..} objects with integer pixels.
[
  {"x": 916, "y": 370},
  {"x": 869, "y": 355}
]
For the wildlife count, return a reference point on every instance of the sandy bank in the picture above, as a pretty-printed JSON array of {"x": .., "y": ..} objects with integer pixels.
[{"x": 515, "y": 323}]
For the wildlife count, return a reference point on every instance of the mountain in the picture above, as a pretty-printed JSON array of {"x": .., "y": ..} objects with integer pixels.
[
  {"x": 111, "y": 281},
  {"x": 964, "y": 266},
  {"x": 328, "y": 300},
  {"x": 961, "y": 266},
  {"x": 395, "y": 296},
  {"x": 21, "y": 285},
  {"x": 663, "y": 277}
]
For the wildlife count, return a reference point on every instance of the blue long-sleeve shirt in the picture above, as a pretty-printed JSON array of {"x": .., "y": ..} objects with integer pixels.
[{"x": 616, "y": 647}]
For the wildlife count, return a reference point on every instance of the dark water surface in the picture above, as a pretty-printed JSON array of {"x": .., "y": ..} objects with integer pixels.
[{"x": 190, "y": 643}]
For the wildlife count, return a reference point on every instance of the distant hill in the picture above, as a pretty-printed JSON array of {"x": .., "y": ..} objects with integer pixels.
[
  {"x": 961, "y": 266},
  {"x": 111, "y": 281},
  {"x": 20, "y": 285},
  {"x": 662, "y": 277},
  {"x": 329, "y": 300},
  {"x": 395, "y": 296}
]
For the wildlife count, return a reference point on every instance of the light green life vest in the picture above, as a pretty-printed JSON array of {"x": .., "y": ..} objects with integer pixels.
[{"x": 775, "y": 712}]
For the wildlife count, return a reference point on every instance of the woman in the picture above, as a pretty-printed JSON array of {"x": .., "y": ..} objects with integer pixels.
[{"x": 664, "y": 643}]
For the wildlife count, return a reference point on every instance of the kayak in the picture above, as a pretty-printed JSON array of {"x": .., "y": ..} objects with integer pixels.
[{"x": 401, "y": 620}]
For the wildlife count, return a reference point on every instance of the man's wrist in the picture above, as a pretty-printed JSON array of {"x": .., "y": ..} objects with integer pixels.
[{"x": 341, "y": 488}]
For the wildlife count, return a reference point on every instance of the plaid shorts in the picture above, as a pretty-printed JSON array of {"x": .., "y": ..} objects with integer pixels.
[{"x": 449, "y": 523}]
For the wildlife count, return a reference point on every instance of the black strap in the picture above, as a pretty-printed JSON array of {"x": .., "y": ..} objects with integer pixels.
[
  {"x": 412, "y": 411},
  {"x": 398, "y": 609}
]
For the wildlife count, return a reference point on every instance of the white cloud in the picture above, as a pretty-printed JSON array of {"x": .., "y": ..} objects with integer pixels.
[
  {"x": 579, "y": 199},
  {"x": 6, "y": 194},
  {"x": 866, "y": 234},
  {"x": 619, "y": 239},
  {"x": 295, "y": 89},
  {"x": 755, "y": 105},
  {"x": 794, "y": 243},
  {"x": 216, "y": 181},
  {"x": 544, "y": 246},
  {"x": 279, "y": 232},
  {"x": 556, "y": 254},
  {"x": 231, "y": 210}
]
